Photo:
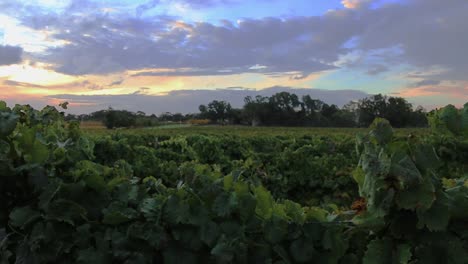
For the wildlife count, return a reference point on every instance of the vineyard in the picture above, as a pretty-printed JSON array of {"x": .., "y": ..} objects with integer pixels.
[{"x": 371, "y": 196}]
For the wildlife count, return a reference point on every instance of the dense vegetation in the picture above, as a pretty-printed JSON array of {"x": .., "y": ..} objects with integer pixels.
[
  {"x": 68, "y": 197},
  {"x": 281, "y": 109}
]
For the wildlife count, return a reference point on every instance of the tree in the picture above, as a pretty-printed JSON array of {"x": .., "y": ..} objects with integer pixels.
[
  {"x": 119, "y": 118},
  {"x": 216, "y": 111},
  {"x": 395, "y": 109},
  {"x": 255, "y": 110}
]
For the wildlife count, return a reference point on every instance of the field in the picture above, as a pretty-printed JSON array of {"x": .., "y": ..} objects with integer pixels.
[
  {"x": 223, "y": 194},
  {"x": 96, "y": 128}
]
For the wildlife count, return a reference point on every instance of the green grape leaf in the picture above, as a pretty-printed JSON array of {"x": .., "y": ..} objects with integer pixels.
[
  {"x": 65, "y": 211},
  {"x": 418, "y": 197},
  {"x": 225, "y": 203},
  {"x": 378, "y": 251},
  {"x": 275, "y": 230},
  {"x": 264, "y": 207},
  {"x": 175, "y": 255},
  {"x": 403, "y": 254},
  {"x": 152, "y": 208},
  {"x": 209, "y": 232},
  {"x": 7, "y": 123},
  {"x": 437, "y": 217},
  {"x": 404, "y": 170},
  {"x": 22, "y": 216},
  {"x": 425, "y": 157},
  {"x": 39, "y": 153},
  {"x": 302, "y": 250},
  {"x": 176, "y": 210},
  {"x": 118, "y": 213},
  {"x": 223, "y": 251},
  {"x": 91, "y": 255},
  {"x": 381, "y": 131}
]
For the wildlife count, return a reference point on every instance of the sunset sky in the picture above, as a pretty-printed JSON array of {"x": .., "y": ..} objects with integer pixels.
[{"x": 171, "y": 55}]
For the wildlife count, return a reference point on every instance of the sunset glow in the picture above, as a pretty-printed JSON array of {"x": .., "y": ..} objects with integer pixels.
[{"x": 49, "y": 49}]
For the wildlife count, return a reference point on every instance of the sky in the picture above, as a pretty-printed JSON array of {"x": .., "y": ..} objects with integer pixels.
[{"x": 172, "y": 55}]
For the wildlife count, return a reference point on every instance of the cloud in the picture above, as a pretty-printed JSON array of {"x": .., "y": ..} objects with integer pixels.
[
  {"x": 10, "y": 55},
  {"x": 103, "y": 44},
  {"x": 354, "y": 4},
  {"x": 425, "y": 83},
  {"x": 429, "y": 33},
  {"x": 73, "y": 85},
  {"x": 21, "y": 84},
  {"x": 412, "y": 35},
  {"x": 187, "y": 101}
]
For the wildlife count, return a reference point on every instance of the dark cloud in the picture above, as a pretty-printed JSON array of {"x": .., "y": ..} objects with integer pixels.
[
  {"x": 428, "y": 32},
  {"x": 377, "y": 69},
  {"x": 10, "y": 55},
  {"x": 102, "y": 44},
  {"x": 78, "y": 84},
  {"x": 21, "y": 84},
  {"x": 422, "y": 34},
  {"x": 117, "y": 82},
  {"x": 425, "y": 83},
  {"x": 187, "y": 101}
]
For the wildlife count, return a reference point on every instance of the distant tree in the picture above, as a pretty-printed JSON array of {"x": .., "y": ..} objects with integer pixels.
[
  {"x": 395, "y": 109},
  {"x": 255, "y": 110},
  {"x": 119, "y": 118},
  {"x": 216, "y": 111}
]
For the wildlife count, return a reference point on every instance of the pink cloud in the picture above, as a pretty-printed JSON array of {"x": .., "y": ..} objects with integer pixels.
[
  {"x": 354, "y": 4},
  {"x": 456, "y": 91}
]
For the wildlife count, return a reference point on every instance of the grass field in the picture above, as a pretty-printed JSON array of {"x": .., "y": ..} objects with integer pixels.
[{"x": 97, "y": 128}]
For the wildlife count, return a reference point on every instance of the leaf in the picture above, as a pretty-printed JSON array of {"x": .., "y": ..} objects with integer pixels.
[
  {"x": 118, "y": 213},
  {"x": 425, "y": 157},
  {"x": 91, "y": 255},
  {"x": 378, "y": 251},
  {"x": 404, "y": 170},
  {"x": 302, "y": 250},
  {"x": 418, "y": 197},
  {"x": 275, "y": 230},
  {"x": 151, "y": 233},
  {"x": 39, "y": 153},
  {"x": 464, "y": 119},
  {"x": 223, "y": 251},
  {"x": 20, "y": 217},
  {"x": 65, "y": 211},
  {"x": 176, "y": 210},
  {"x": 294, "y": 211},
  {"x": 264, "y": 208},
  {"x": 381, "y": 131},
  {"x": 437, "y": 217},
  {"x": 24, "y": 254},
  {"x": 7, "y": 123},
  {"x": 152, "y": 208},
  {"x": 209, "y": 232},
  {"x": 317, "y": 214},
  {"x": 174, "y": 255},
  {"x": 228, "y": 182},
  {"x": 225, "y": 203},
  {"x": 403, "y": 254}
]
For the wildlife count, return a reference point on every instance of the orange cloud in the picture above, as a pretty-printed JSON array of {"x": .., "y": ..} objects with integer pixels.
[
  {"x": 353, "y": 4},
  {"x": 459, "y": 91}
]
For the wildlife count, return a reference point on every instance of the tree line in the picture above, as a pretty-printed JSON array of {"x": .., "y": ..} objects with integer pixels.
[{"x": 280, "y": 109}]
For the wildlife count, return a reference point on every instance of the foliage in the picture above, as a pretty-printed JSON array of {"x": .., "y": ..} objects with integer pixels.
[
  {"x": 123, "y": 198},
  {"x": 450, "y": 120}
]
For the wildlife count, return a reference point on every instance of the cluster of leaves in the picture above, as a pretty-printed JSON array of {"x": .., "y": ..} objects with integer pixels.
[
  {"x": 450, "y": 120},
  {"x": 410, "y": 216},
  {"x": 307, "y": 169},
  {"x": 203, "y": 199},
  {"x": 58, "y": 206}
]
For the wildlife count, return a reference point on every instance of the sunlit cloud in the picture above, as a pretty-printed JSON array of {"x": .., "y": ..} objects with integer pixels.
[
  {"x": 415, "y": 49},
  {"x": 352, "y": 4}
]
